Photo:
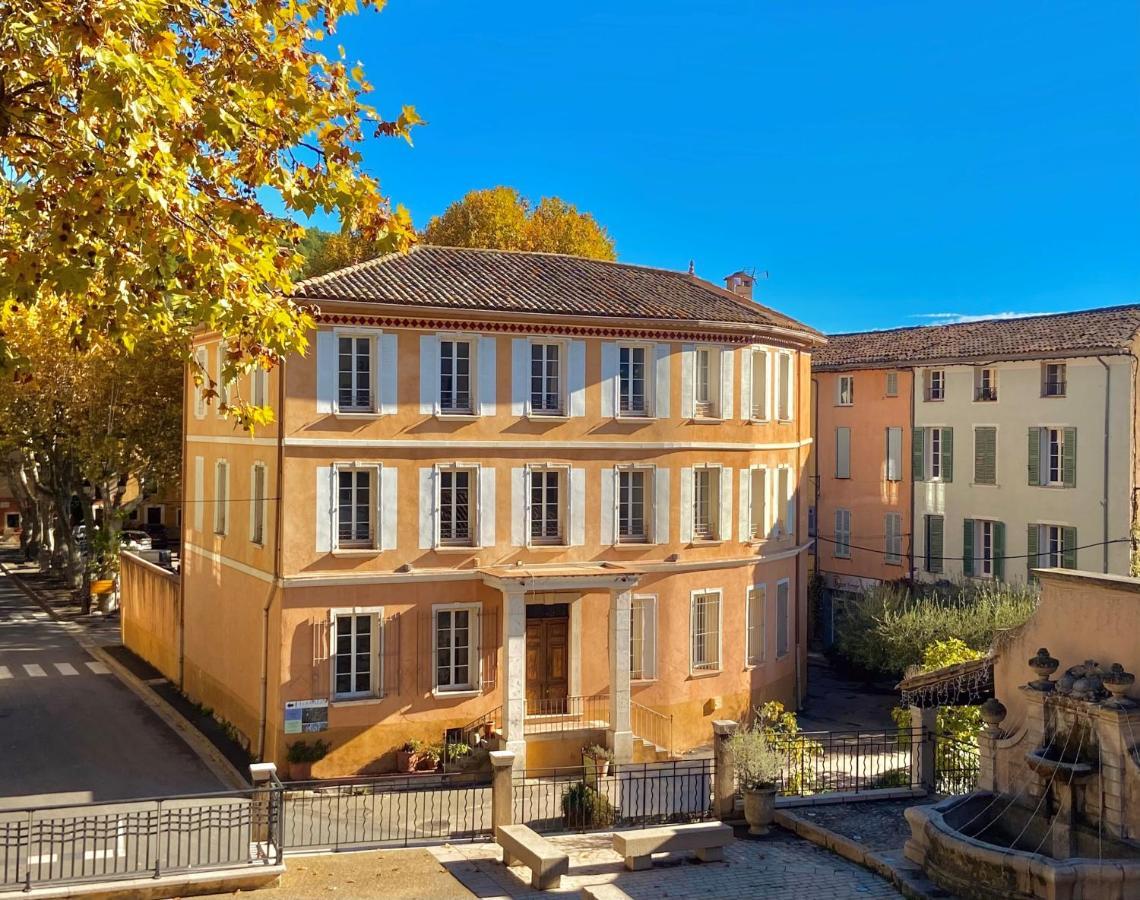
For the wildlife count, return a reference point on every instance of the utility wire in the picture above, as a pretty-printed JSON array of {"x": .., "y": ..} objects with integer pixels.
[{"x": 820, "y": 537}]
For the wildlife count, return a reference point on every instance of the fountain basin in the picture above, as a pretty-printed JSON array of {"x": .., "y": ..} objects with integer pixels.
[
  {"x": 1057, "y": 770},
  {"x": 979, "y": 849}
]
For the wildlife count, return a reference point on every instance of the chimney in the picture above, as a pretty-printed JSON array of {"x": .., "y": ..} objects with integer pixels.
[{"x": 740, "y": 283}]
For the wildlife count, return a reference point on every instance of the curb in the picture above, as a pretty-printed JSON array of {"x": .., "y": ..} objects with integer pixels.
[{"x": 219, "y": 766}]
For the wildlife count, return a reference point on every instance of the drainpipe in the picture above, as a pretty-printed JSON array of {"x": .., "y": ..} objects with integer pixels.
[
  {"x": 1107, "y": 422},
  {"x": 815, "y": 465},
  {"x": 276, "y": 586},
  {"x": 913, "y": 497},
  {"x": 182, "y": 544}
]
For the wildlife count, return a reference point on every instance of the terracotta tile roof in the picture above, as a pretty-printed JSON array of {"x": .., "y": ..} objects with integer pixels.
[
  {"x": 1108, "y": 330},
  {"x": 507, "y": 281}
]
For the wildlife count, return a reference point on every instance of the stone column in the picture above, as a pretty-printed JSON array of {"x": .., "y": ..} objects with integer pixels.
[
  {"x": 724, "y": 782},
  {"x": 261, "y": 776},
  {"x": 923, "y": 723},
  {"x": 620, "y": 736},
  {"x": 993, "y": 712},
  {"x": 502, "y": 789},
  {"x": 514, "y": 672}
]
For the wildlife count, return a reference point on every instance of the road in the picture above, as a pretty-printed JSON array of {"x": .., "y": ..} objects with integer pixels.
[{"x": 70, "y": 732}]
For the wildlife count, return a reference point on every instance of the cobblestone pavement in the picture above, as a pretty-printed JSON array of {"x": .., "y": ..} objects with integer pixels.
[
  {"x": 780, "y": 866},
  {"x": 876, "y": 824}
]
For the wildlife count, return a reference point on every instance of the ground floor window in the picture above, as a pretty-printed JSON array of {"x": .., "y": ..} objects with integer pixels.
[
  {"x": 705, "y": 631},
  {"x": 356, "y": 654},
  {"x": 783, "y": 618},
  {"x": 643, "y": 638},
  {"x": 754, "y": 625},
  {"x": 456, "y": 664}
]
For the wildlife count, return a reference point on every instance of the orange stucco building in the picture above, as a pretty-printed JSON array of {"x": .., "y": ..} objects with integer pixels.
[{"x": 548, "y": 497}]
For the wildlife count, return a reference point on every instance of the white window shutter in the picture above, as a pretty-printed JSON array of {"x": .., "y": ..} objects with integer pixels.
[
  {"x": 725, "y": 503},
  {"x": 686, "y": 505},
  {"x": 199, "y": 491},
  {"x": 487, "y": 373},
  {"x": 746, "y": 384},
  {"x": 789, "y": 500},
  {"x": 661, "y": 387},
  {"x": 520, "y": 376},
  {"x": 518, "y": 507},
  {"x": 661, "y": 506},
  {"x": 759, "y": 495},
  {"x": 745, "y": 517},
  {"x": 609, "y": 380},
  {"x": 726, "y": 382},
  {"x": 389, "y": 502},
  {"x": 389, "y": 368},
  {"x": 608, "y": 534},
  {"x": 326, "y": 371},
  {"x": 429, "y": 374},
  {"x": 325, "y": 502},
  {"x": 649, "y": 638},
  {"x": 576, "y": 377},
  {"x": 486, "y": 506},
  {"x": 688, "y": 362},
  {"x": 427, "y": 508},
  {"x": 577, "y": 507}
]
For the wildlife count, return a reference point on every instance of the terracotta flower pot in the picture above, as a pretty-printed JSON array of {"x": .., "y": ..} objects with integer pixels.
[
  {"x": 759, "y": 809},
  {"x": 300, "y": 771},
  {"x": 405, "y": 761}
]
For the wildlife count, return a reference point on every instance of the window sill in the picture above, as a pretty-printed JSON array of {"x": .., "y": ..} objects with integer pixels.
[
  {"x": 709, "y": 542},
  {"x": 748, "y": 667},
  {"x": 758, "y": 420},
  {"x": 706, "y": 673},
  {"x": 640, "y": 682},
  {"x": 635, "y": 417},
  {"x": 461, "y": 695},
  {"x": 356, "y": 551},
  {"x": 457, "y": 417},
  {"x": 356, "y": 413},
  {"x": 546, "y": 417},
  {"x": 631, "y": 545},
  {"x": 706, "y": 420},
  {"x": 355, "y": 701},
  {"x": 456, "y": 548}
]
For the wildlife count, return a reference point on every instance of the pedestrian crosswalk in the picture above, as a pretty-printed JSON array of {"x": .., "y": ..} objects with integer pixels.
[{"x": 12, "y": 671}]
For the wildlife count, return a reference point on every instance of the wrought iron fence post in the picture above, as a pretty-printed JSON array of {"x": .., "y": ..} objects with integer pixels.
[
  {"x": 157, "y": 831},
  {"x": 724, "y": 785}
]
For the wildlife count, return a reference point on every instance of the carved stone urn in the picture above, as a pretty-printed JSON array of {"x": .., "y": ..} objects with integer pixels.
[
  {"x": 1043, "y": 665},
  {"x": 1117, "y": 682},
  {"x": 993, "y": 713}
]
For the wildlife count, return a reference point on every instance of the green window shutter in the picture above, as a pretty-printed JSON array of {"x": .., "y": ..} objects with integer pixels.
[
  {"x": 1069, "y": 550},
  {"x": 917, "y": 457},
  {"x": 1031, "y": 552},
  {"x": 1035, "y": 456},
  {"x": 985, "y": 455},
  {"x": 947, "y": 454},
  {"x": 999, "y": 551},
  {"x": 1069, "y": 458},
  {"x": 934, "y": 544},
  {"x": 967, "y": 546}
]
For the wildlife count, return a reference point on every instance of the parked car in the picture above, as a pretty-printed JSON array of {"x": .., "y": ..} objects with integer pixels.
[
  {"x": 134, "y": 540},
  {"x": 158, "y": 536}
]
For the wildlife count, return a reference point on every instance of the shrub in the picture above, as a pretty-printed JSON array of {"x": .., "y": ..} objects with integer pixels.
[
  {"x": 782, "y": 730},
  {"x": 598, "y": 752},
  {"x": 960, "y": 722},
  {"x": 453, "y": 750},
  {"x": 304, "y": 752},
  {"x": 584, "y": 808},
  {"x": 888, "y": 628},
  {"x": 755, "y": 758}
]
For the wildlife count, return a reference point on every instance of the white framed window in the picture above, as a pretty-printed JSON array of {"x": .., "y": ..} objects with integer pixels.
[
  {"x": 633, "y": 379},
  {"x": 783, "y": 617},
  {"x": 635, "y": 504},
  {"x": 934, "y": 455},
  {"x": 1053, "y": 379},
  {"x": 548, "y": 507},
  {"x": 892, "y": 527},
  {"x": 985, "y": 384},
  {"x": 891, "y": 389},
  {"x": 355, "y": 375},
  {"x": 547, "y": 378},
  {"x": 455, "y": 647},
  {"x": 221, "y": 496},
  {"x": 754, "y": 624},
  {"x": 257, "y": 503},
  {"x": 759, "y": 395},
  {"x": 456, "y": 365},
  {"x": 784, "y": 386},
  {"x": 783, "y": 505},
  {"x": 894, "y": 454},
  {"x": 984, "y": 542},
  {"x": 758, "y": 503},
  {"x": 704, "y": 631},
  {"x": 707, "y": 383},
  {"x": 845, "y": 395},
  {"x": 706, "y": 503},
  {"x": 457, "y": 503},
  {"x": 1054, "y": 456},
  {"x": 356, "y": 501},
  {"x": 355, "y": 653},
  {"x": 935, "y": 385},
  {"x": 843, "y": 533},
  {"x": 643, "y": 638},
  {"x": 259, "y": 386},
  {"x": 1052, "y": 547},
  {"x": 202, "y": 367}
]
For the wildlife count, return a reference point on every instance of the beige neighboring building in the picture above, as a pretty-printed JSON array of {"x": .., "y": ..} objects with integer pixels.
[{"x": 554, "y": 498}]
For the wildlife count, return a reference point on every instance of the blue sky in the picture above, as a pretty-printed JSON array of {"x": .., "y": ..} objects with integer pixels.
[{"x": 880, "y": 160}]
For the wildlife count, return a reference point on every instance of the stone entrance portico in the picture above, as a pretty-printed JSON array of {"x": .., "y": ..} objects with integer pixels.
[{"x": 517, "y": 584}]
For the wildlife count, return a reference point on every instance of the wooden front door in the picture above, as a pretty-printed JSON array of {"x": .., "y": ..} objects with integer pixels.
[{"x": 547, "y": 660}]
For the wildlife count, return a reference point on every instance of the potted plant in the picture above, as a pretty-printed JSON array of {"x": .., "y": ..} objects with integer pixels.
[
  {"x": 584, "y": 808},
  {"x": 427, "y": 760},
  {"x": 408, "y": 755},
  {"x": 758, "y": 764},
  {"x": 596, "y": 761},
  {"x": 302, "y": 755}
]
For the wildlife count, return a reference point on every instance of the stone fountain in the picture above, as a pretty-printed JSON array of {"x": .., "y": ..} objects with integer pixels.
[{"x": 1057, "y": 810}]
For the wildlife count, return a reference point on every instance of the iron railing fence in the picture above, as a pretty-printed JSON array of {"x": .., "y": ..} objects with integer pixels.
[
  {"x": 557, "y": 714},
  {"x": 817, "y": 762},
  {"x": 650, "y": 725},
  {"x": 77, "y": 843},
  {"x": 386, "y": 811},
  {"x": 582, "y": 798},
  {"x": 957, "y": 764}
]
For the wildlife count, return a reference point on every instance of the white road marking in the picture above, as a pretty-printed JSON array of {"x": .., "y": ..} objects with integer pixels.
[
  {"x": 4, "y": 673},
  {"x": 34, "y": 670},
  {"x": 66, "y": 669},
  {"x": 43, "y": 860},
  {"x": 98, "y": 668}
]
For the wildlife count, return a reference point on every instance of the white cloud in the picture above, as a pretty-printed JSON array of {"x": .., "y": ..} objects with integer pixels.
[{"x": 952, "y": 318}]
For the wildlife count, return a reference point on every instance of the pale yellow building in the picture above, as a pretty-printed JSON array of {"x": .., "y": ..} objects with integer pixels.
[{"x": 551, "y": 497}]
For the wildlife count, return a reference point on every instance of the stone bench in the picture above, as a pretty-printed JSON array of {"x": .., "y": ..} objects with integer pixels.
[
  {"x": 603, "y": 892},
  {"x": 546, "y": 862},
  {"x": 706, "y": 838}
]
